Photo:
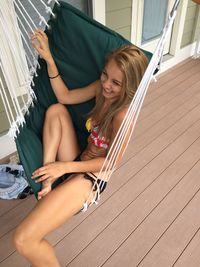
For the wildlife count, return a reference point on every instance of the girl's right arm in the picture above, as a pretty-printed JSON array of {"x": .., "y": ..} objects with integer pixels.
[{"x": 62, "y": 92}]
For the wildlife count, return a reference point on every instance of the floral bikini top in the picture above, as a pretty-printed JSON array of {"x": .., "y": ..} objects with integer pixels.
[{"x": 96, "y": 139}]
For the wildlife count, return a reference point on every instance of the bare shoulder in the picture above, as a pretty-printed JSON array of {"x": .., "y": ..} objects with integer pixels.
[{"x": 118, "y": 118}]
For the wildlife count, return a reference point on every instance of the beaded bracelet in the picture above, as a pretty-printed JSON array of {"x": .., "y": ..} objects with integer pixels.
[{"x": 54, "y": 76}]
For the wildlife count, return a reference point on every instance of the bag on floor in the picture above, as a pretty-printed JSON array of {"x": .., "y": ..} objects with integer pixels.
[{"x": 13, "y": 184}]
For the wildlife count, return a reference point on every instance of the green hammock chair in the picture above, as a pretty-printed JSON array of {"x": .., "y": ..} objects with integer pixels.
[{"x": 79, "y": 45}]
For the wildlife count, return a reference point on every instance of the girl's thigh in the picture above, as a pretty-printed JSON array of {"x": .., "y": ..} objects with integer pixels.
[{"x": 56, "y": 207}]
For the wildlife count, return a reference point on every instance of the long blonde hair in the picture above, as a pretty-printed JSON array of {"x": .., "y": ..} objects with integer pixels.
[{"x": 132, "y": 63}]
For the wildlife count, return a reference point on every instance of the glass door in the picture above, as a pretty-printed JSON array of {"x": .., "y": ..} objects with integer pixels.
[
  {"x": 84, "y": 6},
  {"x": 149, "y": 17}
]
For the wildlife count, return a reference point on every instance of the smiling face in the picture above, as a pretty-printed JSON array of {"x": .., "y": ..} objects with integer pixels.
[
  {"x": 124, "y": 69},
  {"x": 111, "y": 81}
]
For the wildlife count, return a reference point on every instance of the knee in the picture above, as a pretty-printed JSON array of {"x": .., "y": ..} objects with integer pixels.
[
  {"x": 21, "y": 241},
  {"x": 56, "y": 110}
]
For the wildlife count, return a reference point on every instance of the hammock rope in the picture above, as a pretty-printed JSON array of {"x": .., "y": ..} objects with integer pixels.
[
  {"x": 29, "y": 70},
  {"x": 47, "y": 8},
  {"x": 19, "y": 115},
  {"x": 24, "y": 17},
  {"x": 28, "y": 45},
  {"x": 132, "y": 114},
  {"x": 42, "y": 19},
  {"x": 11, "y": 44},
  {"x": 25, "y": 70}
]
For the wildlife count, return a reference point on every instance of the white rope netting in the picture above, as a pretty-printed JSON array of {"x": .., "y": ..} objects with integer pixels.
[
  {"x": 18, "y": 59},
  {"x": 15, "y": 19},
  {"x": 127, "y": 127}
]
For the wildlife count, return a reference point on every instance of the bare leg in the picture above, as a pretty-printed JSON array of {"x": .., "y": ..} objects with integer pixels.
[
  {"x": 59, "y": 140},
  {"x": 47, "y": 216},
  {"x": 59, "y": 136}
]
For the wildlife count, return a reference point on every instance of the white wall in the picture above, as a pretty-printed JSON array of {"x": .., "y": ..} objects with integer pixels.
[{"x": 7, "y": 146}]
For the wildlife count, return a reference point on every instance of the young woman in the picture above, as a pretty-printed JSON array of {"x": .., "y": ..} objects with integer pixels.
[{"x": 114, "y": 91}]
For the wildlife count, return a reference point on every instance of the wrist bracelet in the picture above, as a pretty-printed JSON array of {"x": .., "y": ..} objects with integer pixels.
[{"x": 54, "y": 76}]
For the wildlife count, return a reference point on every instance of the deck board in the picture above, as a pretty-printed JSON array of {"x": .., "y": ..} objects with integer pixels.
[
  {"x": 147, "y": 237},
  {"x": 154, "y": 129},
  {"x": 190, "y": 254},
  {"x": 7, "y": 223},
  {"x": 170, "y": 90},
  {"x": 6, "y": 206},
  {"x": 184, "y": 225},
  {"x": 167, "y": 76},
  {"x": 170, "y": 106},
  {"x": 149, "y": 213},
  {"x": 177, "y": 70},
  {"x": 130, "y": 192}
]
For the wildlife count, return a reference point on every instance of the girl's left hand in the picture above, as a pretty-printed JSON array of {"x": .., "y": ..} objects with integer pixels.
[
  {"x": 41, "y": 44},
  {"x": 50, "y": 171}
]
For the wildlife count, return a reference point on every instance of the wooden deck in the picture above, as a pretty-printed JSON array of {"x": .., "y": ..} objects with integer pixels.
[{"x": 149, "y": 215}]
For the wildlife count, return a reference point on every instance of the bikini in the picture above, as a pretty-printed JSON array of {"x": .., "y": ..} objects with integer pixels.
[{"x": 98, "y": 185}]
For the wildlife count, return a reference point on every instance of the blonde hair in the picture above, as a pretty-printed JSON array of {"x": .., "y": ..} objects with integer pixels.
[{"x": 132, "y": 63}]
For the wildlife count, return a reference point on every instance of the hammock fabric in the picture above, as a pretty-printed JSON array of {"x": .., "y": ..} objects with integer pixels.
[{"x": 79, "y": 46}]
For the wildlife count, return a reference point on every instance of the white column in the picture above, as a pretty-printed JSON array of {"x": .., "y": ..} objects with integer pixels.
[
  {"x": 99, "y": 10},
  {"x": 178, "y": 28},
  {"x": 197, "y": 33}
]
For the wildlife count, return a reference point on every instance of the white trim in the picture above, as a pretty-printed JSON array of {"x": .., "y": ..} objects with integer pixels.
[
  {"x": 137, "y": 25},
  {"x": 181, "y": 55},
  {"x": 197, "y": 48},
  {"x": 178, "y": 28},
  {"x": 99, "y": 10},
  {"x": 197, "y": 21},
  {"x": 134, "y": 21},
  {"x": 7, "y": 146}
]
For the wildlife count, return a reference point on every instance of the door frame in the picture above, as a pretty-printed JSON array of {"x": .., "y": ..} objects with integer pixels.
[
  {"x": 99, "y": 10},
  {"x": 176, "y": 53},
  {"x": 137, "y": 24}
]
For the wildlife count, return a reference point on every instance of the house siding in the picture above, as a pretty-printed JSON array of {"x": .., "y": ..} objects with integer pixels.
[
  {"x": 190, "y": 23},
  {"x": 118, "y": 16}
]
